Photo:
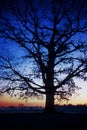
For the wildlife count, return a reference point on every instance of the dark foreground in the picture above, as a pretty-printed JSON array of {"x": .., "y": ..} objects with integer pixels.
[{"x": 28, "y": 121}]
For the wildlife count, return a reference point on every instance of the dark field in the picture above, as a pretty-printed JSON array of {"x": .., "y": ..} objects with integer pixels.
[{"x": 42, "y": 121}]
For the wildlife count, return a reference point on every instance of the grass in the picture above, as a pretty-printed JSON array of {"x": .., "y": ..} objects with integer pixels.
[{"x": 38, "y": 121}]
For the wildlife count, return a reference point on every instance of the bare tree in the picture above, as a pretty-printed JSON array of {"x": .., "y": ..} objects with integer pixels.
[{"x": 46, "y": 31}]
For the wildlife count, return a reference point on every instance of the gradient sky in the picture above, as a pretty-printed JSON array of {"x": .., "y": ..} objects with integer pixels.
[
  {"x": 80, "y": 97},
  {"x": 10, "y": 48}
]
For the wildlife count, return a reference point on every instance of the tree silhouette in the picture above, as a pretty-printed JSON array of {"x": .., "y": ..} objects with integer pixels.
[{"x": 46, "y": 31}]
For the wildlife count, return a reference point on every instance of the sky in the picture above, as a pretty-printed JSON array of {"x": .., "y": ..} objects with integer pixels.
[
  {"x": 10, "y": 48},
  {"x": 80, "y": 96}
]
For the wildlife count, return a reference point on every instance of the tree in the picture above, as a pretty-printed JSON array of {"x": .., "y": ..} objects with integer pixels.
[{"x": 46, "y": 31}]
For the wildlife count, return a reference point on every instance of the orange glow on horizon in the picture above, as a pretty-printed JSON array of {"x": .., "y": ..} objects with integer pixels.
[
  {"x": 79, "y": 98},
  {"x": 14, "y": 101}
]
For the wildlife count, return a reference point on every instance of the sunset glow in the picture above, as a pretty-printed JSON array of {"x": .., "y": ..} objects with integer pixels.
[
  {"x": 14, "y": 101},
  {"x": 80, "y": 97}
]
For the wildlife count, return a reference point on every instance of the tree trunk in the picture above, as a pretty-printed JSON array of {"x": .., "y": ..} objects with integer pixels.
[
  {"x": 49, "y": 83},
  {"x": 49, "y": 105}
]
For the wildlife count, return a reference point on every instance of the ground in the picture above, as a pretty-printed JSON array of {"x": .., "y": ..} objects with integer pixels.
[{"x": 38, "y": 121}]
